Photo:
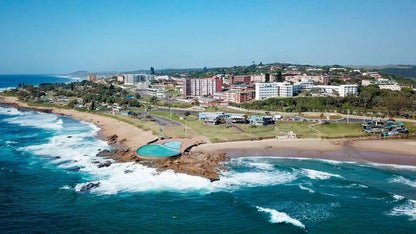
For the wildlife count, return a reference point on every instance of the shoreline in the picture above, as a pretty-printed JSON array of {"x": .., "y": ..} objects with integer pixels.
[
  {"x": 387, "y": 151},
  {"x": 128, "y": 135},
  {"x": 376, "y": 151}
]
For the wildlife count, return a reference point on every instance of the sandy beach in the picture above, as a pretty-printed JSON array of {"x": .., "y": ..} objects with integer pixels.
[
  {"x": 389, "y": 151},
  {"x": 134, "y": 136}
]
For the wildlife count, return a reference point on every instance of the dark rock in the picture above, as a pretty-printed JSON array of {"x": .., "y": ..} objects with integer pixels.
[
  {"x": 105, "y": 164},
  {"x": 105, "y": 153},
  {"x": 89, "y": 186},
  {"x": 69, "y": 136},
  {"x": 112, "y": 139}
]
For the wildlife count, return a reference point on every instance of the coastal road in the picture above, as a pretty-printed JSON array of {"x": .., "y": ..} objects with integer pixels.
[
  {"x": 177, "y": 111},
  {"x": 165, "y": 122}
]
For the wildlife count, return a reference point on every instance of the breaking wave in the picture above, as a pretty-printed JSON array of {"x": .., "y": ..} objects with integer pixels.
[
  {"x": 280, "y": 217},
  {"x": 314, "y": 174},
  {"x": 408, "y": 208},
  {"x": 402, "y": 180}
]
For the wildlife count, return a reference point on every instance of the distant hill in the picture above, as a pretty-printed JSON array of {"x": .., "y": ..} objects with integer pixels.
[
  {"x": 400, "y": 70},
  {"x": 78, "y": 74}
]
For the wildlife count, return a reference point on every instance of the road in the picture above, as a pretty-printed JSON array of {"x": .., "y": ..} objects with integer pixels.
[{"x": 165, "y": 122}]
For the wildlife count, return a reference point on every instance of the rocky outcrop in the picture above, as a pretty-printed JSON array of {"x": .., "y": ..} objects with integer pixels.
[
  {"x": 112, "y": 139},
  {"x": 202, "y": 164},
  {"x": 119, "y": 155},
  {"x": 104, "y": 164}
]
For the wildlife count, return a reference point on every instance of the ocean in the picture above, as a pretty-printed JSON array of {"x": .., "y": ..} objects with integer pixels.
[
  {"x": 47, "y": 161},
  {"x": 12, "y": 81}
]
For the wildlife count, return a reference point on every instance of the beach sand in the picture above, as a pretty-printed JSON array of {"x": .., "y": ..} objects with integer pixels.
[{"x": 402, "y": 151}]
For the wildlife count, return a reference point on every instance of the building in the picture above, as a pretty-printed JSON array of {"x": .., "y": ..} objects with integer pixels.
[
  {"x": 258, "y": 78},
  {"x": 201, "y": 87},
  {"x": 92, "y": 77},
  {"x": 275, "y": 89},
  {"x": 133, "y": 79},
  {"x": 120, "y": 78},
  {"x": 341, "y": 90},
  {"x": 345, "y": 90},
  {"x": 240, "y": 79},
  {"x": 238, "y": 96},
  {"x": 302, "y": 86},
  {"x": 392, "y": 87}
]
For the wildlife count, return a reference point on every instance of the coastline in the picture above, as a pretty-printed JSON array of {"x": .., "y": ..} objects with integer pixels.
[
  {"x": 387, "y": 151},
  {"x": 130, "y": 136}
]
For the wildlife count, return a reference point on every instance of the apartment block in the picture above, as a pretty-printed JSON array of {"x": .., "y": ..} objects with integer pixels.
[{"x": 201, "y": 87}]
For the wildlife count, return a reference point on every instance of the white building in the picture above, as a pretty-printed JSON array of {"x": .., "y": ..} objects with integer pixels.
[
  {"x": 133, "y": 79},
  {"x": 275, "y": 89},
  {"x": 392, "y": 87},
  {"x": 342, "y": 90},
  {"x": 143, "y": 85},
  {"x": 304, "y": 85},
  {"x": 345, "y": 90},
  {"x": 120, "y": 78}
]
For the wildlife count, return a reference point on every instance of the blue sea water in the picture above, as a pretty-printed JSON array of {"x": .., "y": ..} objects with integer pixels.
[
  {"x": 45, "y": 160},
  {"x": 11, "y": 81}
]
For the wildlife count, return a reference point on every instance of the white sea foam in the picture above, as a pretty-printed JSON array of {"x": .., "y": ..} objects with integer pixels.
[
  {"x": 397, "y": 197},
  {"x": 306, "y": 188},
  {"x": 280, "y": 217},
  {"x": 65, "y": 187},
  {"x": 313, "y": 174},
  {"x": 9, "y": 111},
  {"x": 408, "y": 208},
  {"x": 393, "y": 166},
  {"x": 253, "y": 162},
  {"x": 130, "y": 177},
  {"x": 11, "y": 142},
  {"x": 6, "y": 88},
  {"x": 37, "y": 119},
  {"x": 402, "y": 180}
]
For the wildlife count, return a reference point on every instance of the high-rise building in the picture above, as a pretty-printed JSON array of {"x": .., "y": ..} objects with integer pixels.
[
  {"x": 202, "y": 87},
  {"x": 133, "y": 79}
]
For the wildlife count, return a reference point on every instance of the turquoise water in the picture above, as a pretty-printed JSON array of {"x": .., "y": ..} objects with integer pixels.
[
  {"x": 12, "y": 81},
  {"x": 47, "y": 160},
  {"x": 156, "y": 150},
  {"x": 173, "y": 144}
]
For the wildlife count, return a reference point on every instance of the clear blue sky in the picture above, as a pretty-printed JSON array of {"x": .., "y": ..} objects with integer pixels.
[{"x": 59, "y": 36}]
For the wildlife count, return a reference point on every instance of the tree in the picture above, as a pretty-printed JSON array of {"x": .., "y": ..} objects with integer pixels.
[
  {"x": 92, "y": 107},
  {"x": 267, "y": 78},
  {"x": 279, "y": 77},
  {"x": 153, "y": 100}
]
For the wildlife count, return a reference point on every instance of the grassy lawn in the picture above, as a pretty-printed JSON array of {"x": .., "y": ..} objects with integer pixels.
[
  {"x": 336, "y": 130},
  {"x": 411, "y": 126},
  {"x": 300, "y": 128},
  {"x": 218, "y": 133}
]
